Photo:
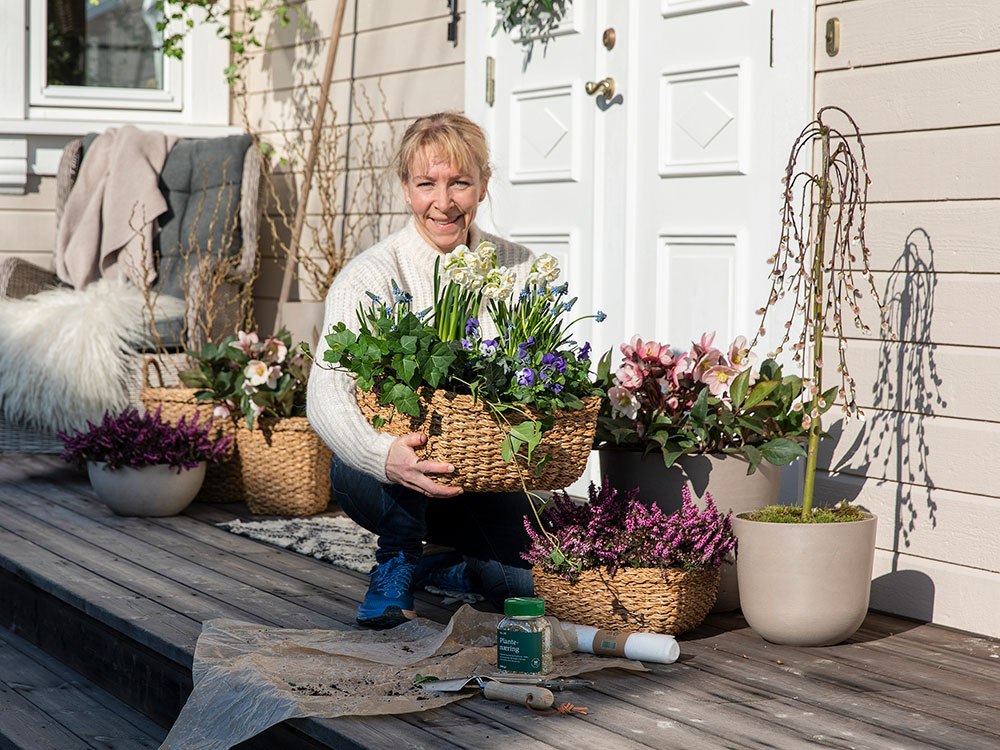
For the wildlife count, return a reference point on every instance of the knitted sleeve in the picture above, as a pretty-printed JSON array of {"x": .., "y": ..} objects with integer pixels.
[{"x": 330, "y": 403}]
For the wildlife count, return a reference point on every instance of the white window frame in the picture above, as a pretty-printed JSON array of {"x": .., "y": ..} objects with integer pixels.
[{"x": 169, "y": 98}]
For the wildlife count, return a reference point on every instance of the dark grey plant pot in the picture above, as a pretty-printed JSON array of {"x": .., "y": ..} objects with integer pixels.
[
  {"x": 805, "y": 584},
  {"x": 722, "y": 476}
]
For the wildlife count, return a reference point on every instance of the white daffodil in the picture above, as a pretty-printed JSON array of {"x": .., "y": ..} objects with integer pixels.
[{"x": 491, "y": 291}]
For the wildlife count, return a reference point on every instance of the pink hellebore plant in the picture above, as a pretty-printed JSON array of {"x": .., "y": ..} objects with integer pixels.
[{"x": 704, "y": 400}]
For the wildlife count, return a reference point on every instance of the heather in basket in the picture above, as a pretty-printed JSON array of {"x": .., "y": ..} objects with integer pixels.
[
  {"x": 532, "y": 363},
  {"x": 705, "y": 400},
  {"x": 134, "y": 441},
  {"x": 615, "y": 530},
  {"x": 242, "y": 373}
]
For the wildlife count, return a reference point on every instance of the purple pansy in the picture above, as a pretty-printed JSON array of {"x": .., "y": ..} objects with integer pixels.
[{"x": 526, "y": 377}]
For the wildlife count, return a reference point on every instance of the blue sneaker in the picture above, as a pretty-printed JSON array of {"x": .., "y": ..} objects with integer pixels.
[
  {"x": 446, "y": 570},
  {"x": 389, "y": 601}
]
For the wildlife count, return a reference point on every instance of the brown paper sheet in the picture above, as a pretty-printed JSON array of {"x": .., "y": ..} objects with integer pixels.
[{"x": 249, "y": 677}]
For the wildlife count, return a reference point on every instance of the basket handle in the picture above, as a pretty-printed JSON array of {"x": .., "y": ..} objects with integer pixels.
[{"x": 145, "y": 371}]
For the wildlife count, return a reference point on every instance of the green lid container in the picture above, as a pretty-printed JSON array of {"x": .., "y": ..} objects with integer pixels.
[{"x": 524, "y": 606}]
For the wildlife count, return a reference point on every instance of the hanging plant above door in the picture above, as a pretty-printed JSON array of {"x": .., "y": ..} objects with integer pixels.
[{"x": 529, "y": 20}]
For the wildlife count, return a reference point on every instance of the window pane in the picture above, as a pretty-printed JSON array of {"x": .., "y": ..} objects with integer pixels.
[{"x": 112, "y": 43}]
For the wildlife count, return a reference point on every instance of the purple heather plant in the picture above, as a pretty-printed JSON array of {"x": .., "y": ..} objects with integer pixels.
[
  {"x": 616, "y": 530},
  {"x": 133, "y": 440}
]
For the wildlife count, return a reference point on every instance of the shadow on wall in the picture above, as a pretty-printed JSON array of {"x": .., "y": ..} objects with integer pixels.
[{"x": 894, "y": 443}]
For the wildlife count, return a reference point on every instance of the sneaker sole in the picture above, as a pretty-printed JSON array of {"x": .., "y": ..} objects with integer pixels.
[{"x": 390, "y": 618}]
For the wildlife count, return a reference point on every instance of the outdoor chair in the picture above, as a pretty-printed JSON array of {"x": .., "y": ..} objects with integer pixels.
[{"x": 210, "y": 231}]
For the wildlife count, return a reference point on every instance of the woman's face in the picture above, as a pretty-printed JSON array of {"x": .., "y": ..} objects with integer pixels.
[{"x": 443, "y": 200}]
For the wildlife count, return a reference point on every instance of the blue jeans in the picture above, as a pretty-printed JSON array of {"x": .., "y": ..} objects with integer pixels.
[{"x": 487, "y": 528}]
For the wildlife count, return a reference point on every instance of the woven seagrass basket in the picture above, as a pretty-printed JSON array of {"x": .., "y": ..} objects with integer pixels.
[
  {"x": 648, "y": 600},
  {"x": 224, "y": 480},
  {"x": 286, "y": 467},
  {"x": 465, "y": 434}
]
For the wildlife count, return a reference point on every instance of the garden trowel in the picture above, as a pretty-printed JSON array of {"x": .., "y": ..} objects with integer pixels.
[{"x": 518, "y": 695}]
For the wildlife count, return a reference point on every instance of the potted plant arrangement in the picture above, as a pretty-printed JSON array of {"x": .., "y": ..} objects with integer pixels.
[
  {"x": 705, "y": 419},
  {"x": 511, "y": 412},
  {"x": 142, "y": 465},
  {"x": 622, "y": 564},
  {"x": 283, "y": 462},
  {"x": 805, "y": 572}
]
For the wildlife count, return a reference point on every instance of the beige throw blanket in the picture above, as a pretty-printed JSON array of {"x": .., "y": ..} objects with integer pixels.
[{"x": 108, "y": 221}]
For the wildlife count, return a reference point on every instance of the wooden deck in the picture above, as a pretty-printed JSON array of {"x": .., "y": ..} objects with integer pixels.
[{"x": 121, "y": 602}]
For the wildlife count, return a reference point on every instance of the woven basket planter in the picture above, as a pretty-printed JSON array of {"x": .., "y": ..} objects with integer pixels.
[
  {"x": 286, "y": 467},
  {"x": 466, "y": 435},
  {"x": 224, "y": 480},
  {"x": 647, "y": 600}
]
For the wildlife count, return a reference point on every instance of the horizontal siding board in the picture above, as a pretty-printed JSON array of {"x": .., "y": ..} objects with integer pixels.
[
  {"x": 936, "y": 165},
  {"x": 934, "y": 591},
  {"x": 395, "y": 49},
  {"x": 40, "y": 195},
  {"x": 940, "y": 237},
  {"x": 940, "y": 93},
  {"x": 920, "y": 521},
  {"x": 941, "y": 452},
  {"x": 408, "y": 95},
  {"x": 875, "y": 32},
  {"x": 943, "y": 381},
  {"x": 27, "y": 231},
  {"x": 956, "y": 308}
]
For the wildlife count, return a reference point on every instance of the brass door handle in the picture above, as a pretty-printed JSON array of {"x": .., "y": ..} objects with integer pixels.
[{"x": 606, "y": 87}]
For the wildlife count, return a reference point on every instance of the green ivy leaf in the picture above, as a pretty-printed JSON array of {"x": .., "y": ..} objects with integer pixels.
[{"x": 781, "y": 451}]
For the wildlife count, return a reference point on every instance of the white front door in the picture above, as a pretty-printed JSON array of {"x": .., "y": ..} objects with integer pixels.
[{"x": 662, "y": 202}]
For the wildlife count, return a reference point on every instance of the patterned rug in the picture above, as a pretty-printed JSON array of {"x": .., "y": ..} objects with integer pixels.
[{"x": 333, "y": 539}]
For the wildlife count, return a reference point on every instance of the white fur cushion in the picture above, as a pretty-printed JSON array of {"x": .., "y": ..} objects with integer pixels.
[{"x": 65, "y": 354}]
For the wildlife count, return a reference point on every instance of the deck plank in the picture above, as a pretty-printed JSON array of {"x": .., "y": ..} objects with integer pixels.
[
  {"x": 77, "y": 705},
  {"x": 896, "y": 684}
]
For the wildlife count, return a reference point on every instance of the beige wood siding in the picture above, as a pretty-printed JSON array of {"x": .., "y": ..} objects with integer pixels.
[
  {"x": 922, "y": 79},
  {"x": 28, "y": 222},
  {"x": 398, "y": 47}
]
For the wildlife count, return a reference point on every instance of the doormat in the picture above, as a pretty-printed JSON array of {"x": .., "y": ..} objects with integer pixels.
[{"x": 333, "y": 539}]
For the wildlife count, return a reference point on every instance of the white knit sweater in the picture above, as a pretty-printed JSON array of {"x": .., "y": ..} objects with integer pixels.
[{"x": 409, "y": 260}]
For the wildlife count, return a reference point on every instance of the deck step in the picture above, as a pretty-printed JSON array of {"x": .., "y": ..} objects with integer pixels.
[{"x": 47, "y": 705}]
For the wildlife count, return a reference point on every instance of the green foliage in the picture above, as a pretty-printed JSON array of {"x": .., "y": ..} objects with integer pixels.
[
  {"x": 839, "y": 513},
  {"x": 256, "y": 378},
  {"x": 759, "y": 423},
  {"x": 531, "y": 19}
]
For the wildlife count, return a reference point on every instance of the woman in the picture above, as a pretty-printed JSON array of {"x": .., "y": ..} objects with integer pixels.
[{"x": 443, "y": 166}]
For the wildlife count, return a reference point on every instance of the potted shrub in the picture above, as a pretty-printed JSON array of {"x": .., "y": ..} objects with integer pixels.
[
  {"x": 622, "y": 564},
  {"x": 283, "y": 463},
  {"x": 142, "y": 465},
  {"x": 705, "y": 419},
  {"x": 511, "y": 412},
  {"x": 805, "y": 573}
]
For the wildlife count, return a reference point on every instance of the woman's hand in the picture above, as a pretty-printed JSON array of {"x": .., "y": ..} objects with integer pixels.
[{"x": 403, "y": 467}]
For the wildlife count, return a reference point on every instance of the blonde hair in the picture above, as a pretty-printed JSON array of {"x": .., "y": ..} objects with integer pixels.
[{"x": 454, "y": 136}]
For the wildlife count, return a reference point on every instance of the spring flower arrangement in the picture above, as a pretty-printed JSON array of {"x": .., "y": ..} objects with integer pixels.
[
  {"x": 700, "y": 401},
  {"x": 246, "y": 375},
  {"x": 531, "y": 363},
  {"x": 615, "y": 530},
  {"x": 135, "y": 441}
]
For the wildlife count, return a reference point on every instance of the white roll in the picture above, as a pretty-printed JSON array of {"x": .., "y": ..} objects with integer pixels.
[{"x": 654, "y": 647}]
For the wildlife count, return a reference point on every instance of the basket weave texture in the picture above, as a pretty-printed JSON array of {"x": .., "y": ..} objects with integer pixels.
[
  {"x": 636, "y": 599},
  {"x": 286, "y": 467},
  {"x": 223, "y": 480},
  {"x": 465, "y": 434}
]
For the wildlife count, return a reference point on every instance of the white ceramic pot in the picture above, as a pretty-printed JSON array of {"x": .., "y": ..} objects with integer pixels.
[
  {"x": 155, "y": 490},
  {"x": 722, "y": 476},
  {"x": 805, "y": 584}
]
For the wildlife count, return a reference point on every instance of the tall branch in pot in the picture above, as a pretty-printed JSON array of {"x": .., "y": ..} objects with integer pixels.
[{"x": 822, "y": 234}]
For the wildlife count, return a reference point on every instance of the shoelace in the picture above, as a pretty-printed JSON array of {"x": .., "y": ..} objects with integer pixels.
[{"x": 395, "y": 575}]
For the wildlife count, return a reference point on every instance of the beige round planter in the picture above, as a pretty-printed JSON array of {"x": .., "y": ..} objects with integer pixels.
[
  {"x": 724, "y": 477},
  {"x": 155, "y": 490},
  {"x": 805, "y": 584}
]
